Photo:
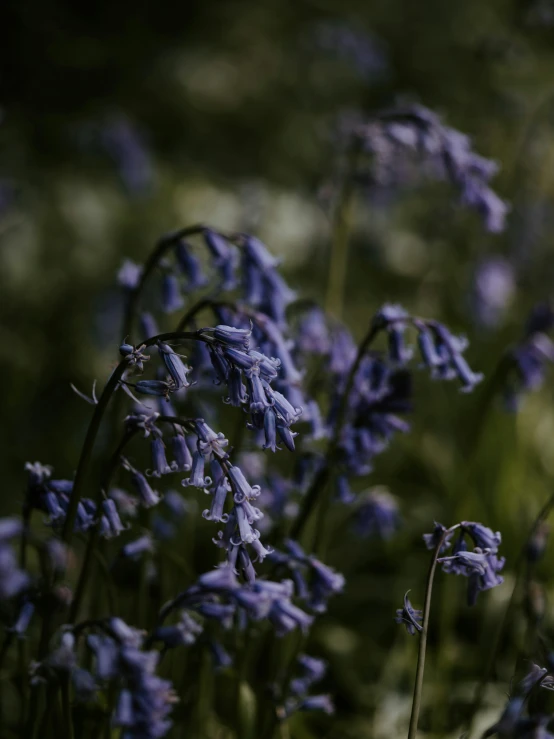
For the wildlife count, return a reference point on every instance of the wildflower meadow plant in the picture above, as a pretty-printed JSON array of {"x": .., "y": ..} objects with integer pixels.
[{"x": 188, "y": 433}]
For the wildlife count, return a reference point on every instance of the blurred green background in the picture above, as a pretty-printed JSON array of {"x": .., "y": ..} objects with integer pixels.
[{"x": 119, "y": 122}]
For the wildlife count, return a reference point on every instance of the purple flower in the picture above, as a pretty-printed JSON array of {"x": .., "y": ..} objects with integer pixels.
[
  {"x": 409, "y": 616},
  {"x": 147, "y": 496},
  {"x": 190, "y": 266},
  {"x": 172, "y": 361},
  {"x": 129, "y": 274},
  {"x": 432, "y": 540},
  {"x": 172, "y": 300},
  {"x": 111, "y": 524},
  {"x": 159, "y": 462},
  {"x": 377, "y": 514}
]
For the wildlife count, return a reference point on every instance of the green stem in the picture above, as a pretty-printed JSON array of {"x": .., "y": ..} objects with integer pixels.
[
  {"x": 418, "y": 687},
  {"x": 322, "y": 477},
  {"x": 480, "y": 690},
  {"x": 96, "y": 420},
  {"x": 66, "y": 705},
  {"x": 342, "y": 227}
]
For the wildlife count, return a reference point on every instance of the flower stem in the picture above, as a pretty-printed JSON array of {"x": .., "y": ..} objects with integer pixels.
[
  {"x": 342, "y": 227},
  {"x": 320, "y": 481},
  {"x": 418, "y": 687}
]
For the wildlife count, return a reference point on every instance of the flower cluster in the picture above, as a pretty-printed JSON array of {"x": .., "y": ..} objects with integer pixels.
[
  {"x": 218, "y": 595},
  {"x": 529, "y": 359},
  {"x": 312, "y": 670},
  {"x": 314, "y": 581},
  {"x": 438, "y": 151},
  {"x": 480, "y": 565}
]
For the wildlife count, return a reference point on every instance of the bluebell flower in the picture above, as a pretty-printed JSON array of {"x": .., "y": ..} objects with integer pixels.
[
  {"x": 110, "y": 524},
  {"x": 159, "y": 388},
  {"x": 182, "y": 457},
  {"x": 450, "y": 348},
  {"x": 417, "y": 130},
  {"x": 210, "y": 442},
  {"x": 343, "y": 492},
  {"x": 190, "y": 266},
  {"x": 185, "y": 631},
  {"x": 432, "y": 540},
  {"x": 483, "y": 537},
  {"x": 148, "y": 325},
  {"x": 221, "y": 612},
  {"x": 172, "y": 361},
  {"x": 134, "y": 355},
  {"x": 224, "y": 257},
  {"x": 148, "y": 497},
  {"x": 286, "y": 617},
  {"x": 322, "y": 703},
  {"x": 219, "y": 496},
  {"x": 377, "y": 514},
  {"x": 258, "y": 253},
  {"x": 127, "y": 504},
  {"x": 129, "y": 274},
  {"x": 409, "y": 616},
  {"x": 480, "y": 581},
  {"x": 24, "y": 617},
  {"x": 221, "y": 658},
  {"x": 198, "y": 478},
  {"x": 313, "y": 670},
  {"x": 172, "y": 300},
  {"x": 160, "y": 465},
  {"x": 277, "y": 295},
  {"x": 125, "y": 145},
  {"x": 175, "y": 504},
  {"x": 106, "y": 654},
  {"x": 312, "y": 334},
  {"x": 84, "y": 685},
  {"x": 233, "y": 337},
  {"x": 136, "y": 548},
  {"x": 393, "y": 319}
]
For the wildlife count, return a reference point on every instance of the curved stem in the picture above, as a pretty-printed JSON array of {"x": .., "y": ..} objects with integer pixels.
[
  {"x": 96, "y": 420},
  {"x": 418, "y": 687},
  {"x": 321, "y": 478}
]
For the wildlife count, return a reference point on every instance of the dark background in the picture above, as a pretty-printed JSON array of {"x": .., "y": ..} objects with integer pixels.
[{"x": 121, "y": 121}]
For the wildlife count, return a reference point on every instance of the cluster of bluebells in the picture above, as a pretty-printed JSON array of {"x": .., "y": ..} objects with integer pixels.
[
  {"x": 314, "y": 581},
  {"x": 260, "y": 360},
  {"x": 529, "y": 359},
  {"x": 476, "y": 559},
  {"x": 312, "y": 670},
  {"x": 144, "y": 700},
  {"x": 52, "y": 496},
  {"x": 412, "y": 141},
  {"x": 218, "y": 595},
  {"x": 480, "y": 564},
  {"x": 381, "y": 388}
]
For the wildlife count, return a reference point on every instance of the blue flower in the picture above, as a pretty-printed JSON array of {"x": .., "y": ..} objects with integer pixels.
[
  {"x": 409, "y": 616},
  {"x": 190, "y": 266},
  {"x": 172, "y": 361},
  {"x": 172, "y": 300}
]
